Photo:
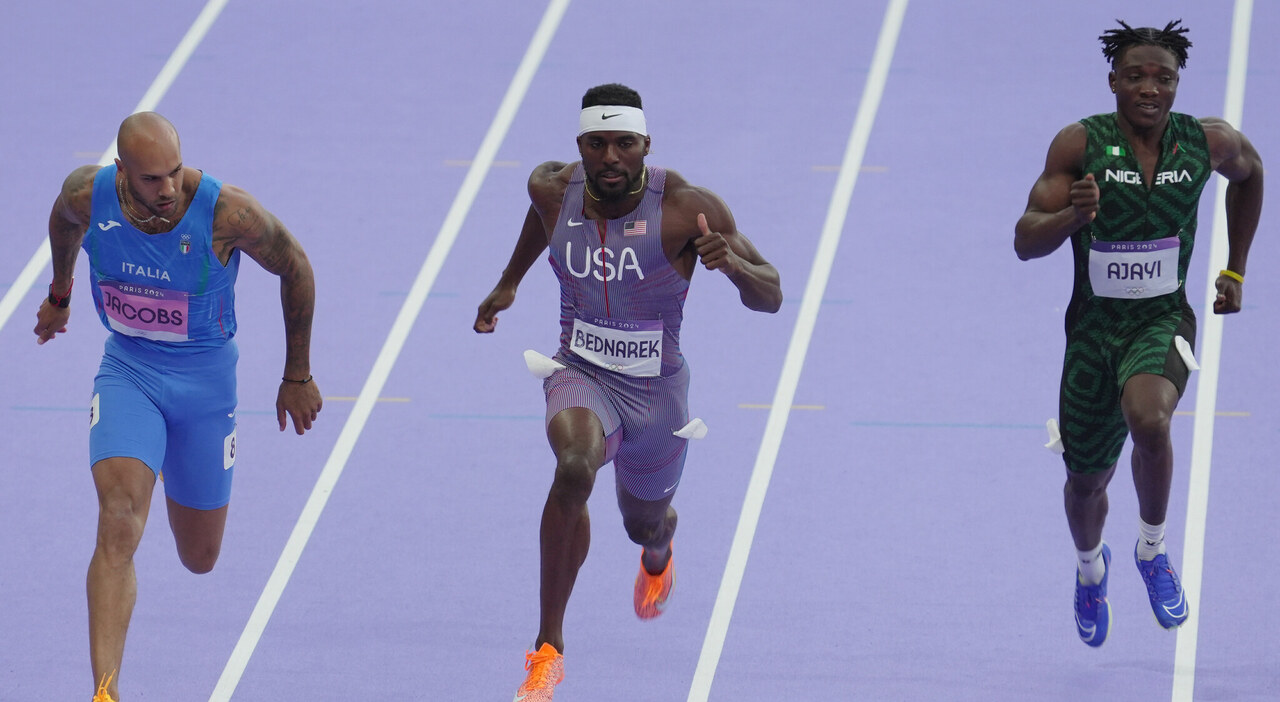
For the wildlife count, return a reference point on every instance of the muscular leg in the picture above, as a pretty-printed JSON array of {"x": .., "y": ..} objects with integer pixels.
[
  {"x": 1085, "y": 496},
  {"x": 124, "y": 488},
  {"x": 577, "y": 438},
  {"x": 650, "y": 524},
  {"x": 198, "y": 533},
  {"x": 1148, "y": 403}
]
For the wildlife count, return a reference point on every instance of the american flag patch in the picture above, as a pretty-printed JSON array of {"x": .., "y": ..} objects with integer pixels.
[{"x": 633, "y": 228}]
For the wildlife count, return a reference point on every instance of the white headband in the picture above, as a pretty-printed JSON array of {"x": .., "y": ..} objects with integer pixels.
[{"x": 612, "y": 118}]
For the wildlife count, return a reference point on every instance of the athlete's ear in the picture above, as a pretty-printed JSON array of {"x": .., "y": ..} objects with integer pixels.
[
  {"x": 1111, "y": 80},
  {"x": 646, "y": 145}
]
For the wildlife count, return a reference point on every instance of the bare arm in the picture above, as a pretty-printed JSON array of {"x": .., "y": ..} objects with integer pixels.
[
  {"x": 1062, "y": 200},
  {"x": 1232, "y": 155},
  {"x": 720, "y": 246},
  {"x": 68, "y": 221},
  {"x": 240, "y": 222},
  {"x": 544, "y": 183}
]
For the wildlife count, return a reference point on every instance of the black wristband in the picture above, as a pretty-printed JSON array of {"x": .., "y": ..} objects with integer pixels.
[
  {"x": 63, "y": 302},
  {"x": 304, "y": 381}
]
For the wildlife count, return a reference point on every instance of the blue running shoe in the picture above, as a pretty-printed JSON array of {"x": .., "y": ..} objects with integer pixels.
[
  {"x": 1168, "y": 602},
  {"x": 1093, "y": 612}
]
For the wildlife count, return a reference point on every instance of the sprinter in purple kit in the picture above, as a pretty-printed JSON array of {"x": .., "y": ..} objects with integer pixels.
[{"x": 625, "y": 239}]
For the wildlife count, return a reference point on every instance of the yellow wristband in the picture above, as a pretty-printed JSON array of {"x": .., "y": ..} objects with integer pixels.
[{"x": 1232, "y": 275}]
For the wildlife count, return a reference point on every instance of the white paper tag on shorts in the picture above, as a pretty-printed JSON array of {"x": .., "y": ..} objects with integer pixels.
[
  {"x": 93, "y": 411},
  {"x": 1055, "y": 437},
  {"x": 630, "y": 347},
  {"x": 1184, "y": 350},
  {"x": 695, "y": 429},
  {"x": 229, "y": 450},
  {"x": 539, "y": 365},
  {"x": 1133, "y": 270}
]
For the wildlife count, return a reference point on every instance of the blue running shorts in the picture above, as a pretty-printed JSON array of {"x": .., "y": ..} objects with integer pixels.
[{"x": 174, "y": 412}]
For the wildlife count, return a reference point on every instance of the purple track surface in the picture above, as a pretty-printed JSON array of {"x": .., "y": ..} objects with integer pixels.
[{"x": 911, "y": 545}]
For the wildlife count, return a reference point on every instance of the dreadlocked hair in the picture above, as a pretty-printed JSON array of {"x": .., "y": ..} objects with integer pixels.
[{"x": 1117, "y": 41}]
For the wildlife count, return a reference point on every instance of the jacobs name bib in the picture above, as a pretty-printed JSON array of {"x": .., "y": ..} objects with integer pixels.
[{"x": 144, "y": 311}]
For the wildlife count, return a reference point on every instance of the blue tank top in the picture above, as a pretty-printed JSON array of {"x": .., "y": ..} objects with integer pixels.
[
  {"x": 166, "y": 292},
  {"x": 615, "y": 278}
]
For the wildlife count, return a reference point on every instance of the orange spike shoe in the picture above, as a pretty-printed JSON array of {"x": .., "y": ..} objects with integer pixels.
[
  {"x": 652, "y": 591},
  {"x": 546, "y": 670}
]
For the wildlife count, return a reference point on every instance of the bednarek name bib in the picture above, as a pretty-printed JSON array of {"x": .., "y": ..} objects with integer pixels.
[
  {"x": 144, "y": 311},
  {"x": 631, "y": 347},
  {"x": 1134, "y": 269}
]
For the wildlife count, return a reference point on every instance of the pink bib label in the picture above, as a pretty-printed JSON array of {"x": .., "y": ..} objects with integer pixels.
[{"x": 144, "y": 311}]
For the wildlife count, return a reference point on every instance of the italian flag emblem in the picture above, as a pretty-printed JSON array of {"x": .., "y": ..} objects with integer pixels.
[{"x": 1115, "y": 151}]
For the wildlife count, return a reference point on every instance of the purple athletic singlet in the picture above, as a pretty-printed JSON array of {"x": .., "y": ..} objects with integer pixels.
[{"x": 621, "y": 305}]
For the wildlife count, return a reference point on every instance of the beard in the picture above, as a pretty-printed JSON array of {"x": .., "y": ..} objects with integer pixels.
[{"x": 627, "y": 188}]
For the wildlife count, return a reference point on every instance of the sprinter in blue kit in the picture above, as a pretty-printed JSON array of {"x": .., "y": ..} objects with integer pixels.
[
  {"x": 624, "y": 241},
  {"x": 163, "y": 242}
]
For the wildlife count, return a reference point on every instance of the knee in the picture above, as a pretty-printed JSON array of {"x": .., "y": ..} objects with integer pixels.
[
  {"x": 643, "y": 531},
  {"x": 575, "y": 476},
  {"x": 1085, "y": 486},
  {"x": 650, "y": 529},
  {"x": 1150, "y": 429},
  {"x": 200, "y": 559},
  {"x": 120, "y": 527}
]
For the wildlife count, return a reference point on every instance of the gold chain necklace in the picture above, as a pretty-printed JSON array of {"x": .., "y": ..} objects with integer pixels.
[
  {"x": 644, "y": 179},
  {"x": 129, "y": 208}
]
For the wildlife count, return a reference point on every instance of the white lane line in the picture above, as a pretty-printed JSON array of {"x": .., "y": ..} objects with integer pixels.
[
  {"x": 164, "y": 80},
  {"x": 1184, "y": 658},
  {"x": 391, "y": 348},
  {"x": 718, "y": 627}
]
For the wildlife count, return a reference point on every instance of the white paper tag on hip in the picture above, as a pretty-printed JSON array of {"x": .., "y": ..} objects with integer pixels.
[
  {"x": 630, "y": 347},
  {"x": 229, "y": 450},
  {"x": 1184, "y": 350},
  {"x": 1132, "y": 270},
  {"x": 539, "y": 365}
]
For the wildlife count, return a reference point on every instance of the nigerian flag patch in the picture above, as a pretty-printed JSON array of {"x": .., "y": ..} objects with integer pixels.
[{"x": 1115, "y": 151}]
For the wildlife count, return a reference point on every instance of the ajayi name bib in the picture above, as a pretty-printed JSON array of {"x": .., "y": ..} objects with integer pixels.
[{"x": 1134, "y": 269}]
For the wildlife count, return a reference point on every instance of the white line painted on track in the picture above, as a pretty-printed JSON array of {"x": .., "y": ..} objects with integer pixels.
[
  {"x": 1184, "y": 658},
  {"x": 390, "y": 352},
  {"x": 819, "y": 274},
  {"x": 164, "y": 80}
]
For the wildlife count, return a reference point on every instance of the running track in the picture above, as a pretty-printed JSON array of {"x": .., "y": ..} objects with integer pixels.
[{"x": 910, "y": 543}]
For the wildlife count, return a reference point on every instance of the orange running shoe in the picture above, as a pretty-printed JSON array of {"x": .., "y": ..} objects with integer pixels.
[
  {"x": 652, "y": 591},
  {"x": 546, "y": 670},
  {"x": 102, "y": 695}
]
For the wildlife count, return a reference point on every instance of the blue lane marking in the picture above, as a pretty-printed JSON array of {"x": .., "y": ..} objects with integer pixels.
[
  {"x": 500, "y": 417},
  {"x": 946, "y": 425}
]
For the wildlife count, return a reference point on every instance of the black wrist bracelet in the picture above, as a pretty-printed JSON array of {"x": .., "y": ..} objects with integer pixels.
[
  {"x": 62, "y": 302},
  {"x": 299, "y": 382}
]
